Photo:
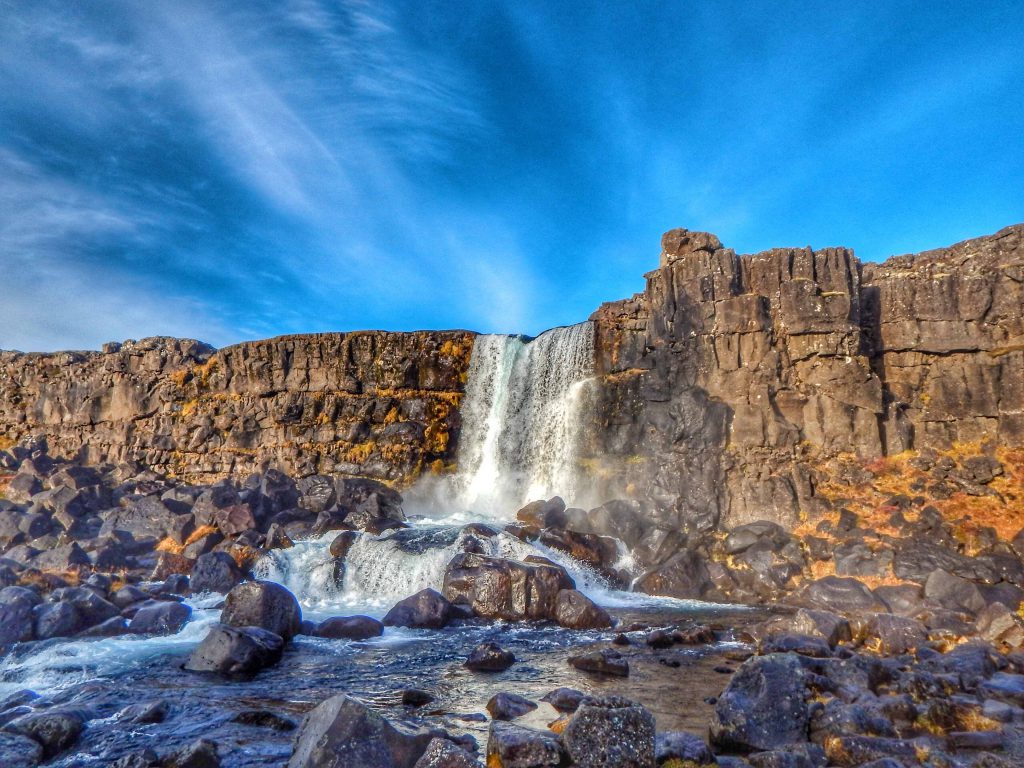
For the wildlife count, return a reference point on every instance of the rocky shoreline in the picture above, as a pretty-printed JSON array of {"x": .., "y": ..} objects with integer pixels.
[{"x": 888, "y": 644}]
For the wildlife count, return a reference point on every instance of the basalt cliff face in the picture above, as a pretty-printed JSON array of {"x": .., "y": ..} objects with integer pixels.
[
  {"x": 723, "y": 390},
  {"x": 732, "y": 382},
  {"x": 376, "y": 404}
]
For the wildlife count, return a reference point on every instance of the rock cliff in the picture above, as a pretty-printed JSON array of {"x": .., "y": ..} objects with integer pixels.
[
  {"x": 723, "y": 389},
  {"x": 731, "y": 380},
  {"x": 381, "y": 405}
]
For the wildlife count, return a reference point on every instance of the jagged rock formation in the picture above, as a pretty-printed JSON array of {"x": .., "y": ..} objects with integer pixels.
[
  {"x": 382, "y": 405},
  {"x": 730, "y": 379},
  {"x": 723, "y": 388}
]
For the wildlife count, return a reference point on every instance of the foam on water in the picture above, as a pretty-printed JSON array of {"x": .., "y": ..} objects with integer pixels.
[{"x": 61, "y": 664}]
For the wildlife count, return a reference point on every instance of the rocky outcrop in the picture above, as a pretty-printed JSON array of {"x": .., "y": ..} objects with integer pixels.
[
  {"x": 375, "y": 404},
  {"x": 730, "y": 379}
]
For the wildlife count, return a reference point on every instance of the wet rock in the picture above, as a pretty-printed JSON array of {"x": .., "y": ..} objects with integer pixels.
[
  {"x": 442, "y": 753},
  {"x": 262, "y": 718},
  {"x": 564, "y": 699},
  {"x": 342, "y": 543},
  {"x": 743, "y": 537},
  {"x": 112, "y": 627},
  {"x": 427, "y": 609},
  {"x": 489, "y": 657},
  {"x": 684, "y": 575},
  {"x": 371, "y": 504},
  {"x": 160, "y": 618},
  {"x": 414, "y": 697},
  {"x": 509, "y": 706},
  {"x": 342, "y": 732},
  {"x": 513, "y": 746},
  {"x": 56, "y": 620},
  {"x": 199, "y": 754},
  {"x": 350, "y": 628},
  {"x": 54, "y": 730},
  {"x": 801, "y": 756},
  {"x": 497, "y": 588},
  {"x": 575, "y": 610},
  {"x": 687, "y": 748},
  {"x": 17, "y": 751},
  {"x": 763, "y": 707},
  {"x": 263, "y": 604},
  {"x": 602, "y": 662},
  {"x": 128, "y": 595},
  {"x": 146, "y": 713},
  {"x": 147, "y": 516},
  {"x": 610, "y": 732},
  {"x": 236, "y": 651},
  {"x": 214, "y": 572}
]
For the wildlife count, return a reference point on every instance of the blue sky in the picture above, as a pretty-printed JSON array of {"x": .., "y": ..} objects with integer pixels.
[{"x": 233, "y": 170}]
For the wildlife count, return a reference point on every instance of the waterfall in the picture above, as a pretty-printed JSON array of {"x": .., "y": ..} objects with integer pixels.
[{"x": 522, "y": 419}]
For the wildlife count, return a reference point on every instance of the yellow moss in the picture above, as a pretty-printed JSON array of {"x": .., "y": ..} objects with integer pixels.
[
  {"x": 493, "y": 761},
  {"x": 359, "y": 452},
  {"x": 198, "y": 533},
  {"x": 170, "y": 545},
  {"x": 181, "y": 377},
  {"x": 7, "y": 442},
  {"x": 392, "y": 416}
]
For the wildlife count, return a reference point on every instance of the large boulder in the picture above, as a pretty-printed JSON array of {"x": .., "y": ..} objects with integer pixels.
[
  {"x": 236, "y": 651},
  {"x": 610, "y": 732},
  {"x": 575, "y": 610},
  {"x": 56, "y": 620},
  {"x": 344, "y": 733},
  {"x": 764, "y": 706},
  {"x": 427, "y": 609},
  {"x": 497, "y": 588},
  {"x": 684, "y": 575},
  {"x": 214, "y": 572},
  {"x": 263, "y": 604}
]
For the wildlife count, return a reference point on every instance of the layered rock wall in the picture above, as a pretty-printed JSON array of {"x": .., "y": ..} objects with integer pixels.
[
  {"x": 730, "y": 379},
  {"x": 381, "y": 405},
  {"x": 722, "y": 389}
]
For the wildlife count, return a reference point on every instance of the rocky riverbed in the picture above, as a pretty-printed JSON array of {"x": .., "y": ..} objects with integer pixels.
[{"x": 271, "y": 620}]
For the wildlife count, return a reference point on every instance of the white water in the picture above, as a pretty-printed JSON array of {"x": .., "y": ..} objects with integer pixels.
[
  {"x": 522, "y": 426},
  {"x": 380, "y": 571}
]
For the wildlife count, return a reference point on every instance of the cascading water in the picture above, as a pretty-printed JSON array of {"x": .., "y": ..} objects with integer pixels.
[{"x": 522, "y": 420}]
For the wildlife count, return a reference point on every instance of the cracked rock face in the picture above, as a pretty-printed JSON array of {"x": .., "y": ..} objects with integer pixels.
[{"x": 730, "y": 379}]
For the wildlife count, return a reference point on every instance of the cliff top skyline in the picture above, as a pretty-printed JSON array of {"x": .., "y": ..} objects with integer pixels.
[{"x": 229, "y": 171}]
